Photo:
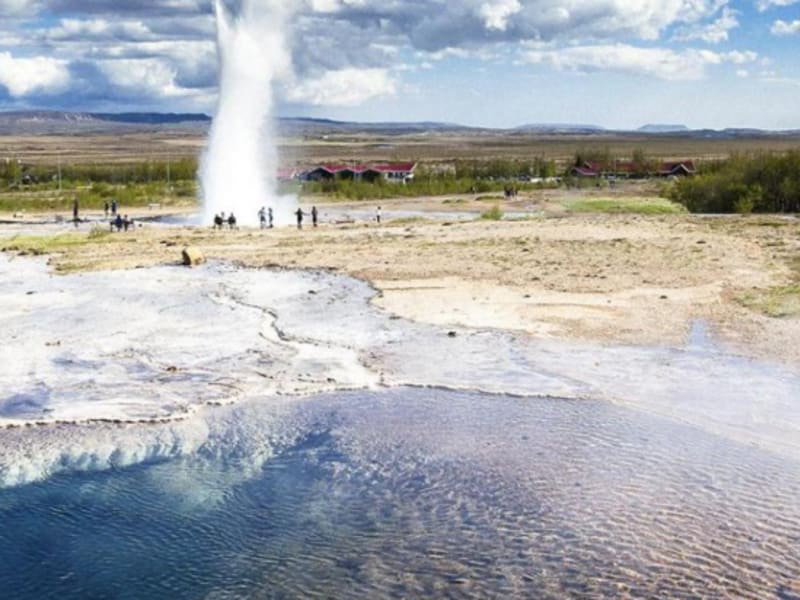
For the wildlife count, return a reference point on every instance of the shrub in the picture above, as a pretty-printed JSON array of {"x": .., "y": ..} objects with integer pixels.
[
  {"x": 763, "y": 182},
  {"x": 493, "y": 214},
  {"x": 98, "y": 232}
]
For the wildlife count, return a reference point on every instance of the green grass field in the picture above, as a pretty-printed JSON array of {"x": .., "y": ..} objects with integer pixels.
[
  {"x": 633, "y": 205},
  {"x": 93, "y": 197}
]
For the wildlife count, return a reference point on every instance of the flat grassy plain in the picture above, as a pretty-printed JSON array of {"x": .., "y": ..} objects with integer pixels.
[
  {"x": 431, "y": 147},
  {"x": 432, "y": 150},
  {"x": 561, "y": 148}
]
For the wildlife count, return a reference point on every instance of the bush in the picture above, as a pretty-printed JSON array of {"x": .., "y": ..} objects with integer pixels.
[
  {"x": 421, "y": 185},
  {"x": 759, "y": 183},
  {"x": 98, "y": 232},
  {"x": 493, "y": 214}
]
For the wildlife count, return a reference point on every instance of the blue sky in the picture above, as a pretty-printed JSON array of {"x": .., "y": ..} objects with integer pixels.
[{"x": 499, "y": 63}]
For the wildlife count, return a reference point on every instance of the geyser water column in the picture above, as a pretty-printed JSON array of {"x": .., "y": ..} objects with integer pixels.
[{"x": 238, "y": 169}]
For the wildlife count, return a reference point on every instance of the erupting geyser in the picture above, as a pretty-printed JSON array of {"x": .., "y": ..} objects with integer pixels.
[{"x": 238, "y": 170}]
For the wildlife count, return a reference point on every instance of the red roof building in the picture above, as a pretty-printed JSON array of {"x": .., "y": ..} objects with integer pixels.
[{"x": 394, "y": 172}]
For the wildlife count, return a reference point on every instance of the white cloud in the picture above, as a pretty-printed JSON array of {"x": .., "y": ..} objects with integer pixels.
[
  {"x": 347, "y": 51},
  {"x": 739, "y": 57},
  {"x": 98, "y": 29},
  {"x": 14, "y": 8},
  {"x": 714, "y": 32},
  {"x": 767, "y": 4},
  {"x": 344, "y": 87},
  {"x": 25, "y": 76},
  {"x": 146, "y": 77},
  {"x": 496, "y": 13},
  {"x": 785, "y": 28},
  {"x": 329, "y": 6},
  {"x": 663, "y": 63}
]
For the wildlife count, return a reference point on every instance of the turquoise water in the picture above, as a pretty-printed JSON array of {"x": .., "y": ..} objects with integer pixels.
[{"x": 417, "y": 493}]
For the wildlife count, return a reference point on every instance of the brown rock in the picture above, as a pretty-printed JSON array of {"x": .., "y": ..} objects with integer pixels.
[{"x": 192, "y": 256}]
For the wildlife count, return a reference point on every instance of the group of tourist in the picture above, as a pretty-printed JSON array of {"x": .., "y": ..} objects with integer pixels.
[
  {"x": 265, "y": 215},
  {"x": 111, "y": 207},
  {"x": 121, "y": 223},
  {"x": 299, "y": 214},
  {"x": 266, "y": 218},
  {"x": 220, "y": 220}
]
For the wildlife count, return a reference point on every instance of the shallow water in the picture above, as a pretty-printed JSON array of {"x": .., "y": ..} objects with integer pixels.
[
  {"x": 164, "y": 343},
  {"x": 417, "y": 493},
  {"x": 226, "y": 433}
]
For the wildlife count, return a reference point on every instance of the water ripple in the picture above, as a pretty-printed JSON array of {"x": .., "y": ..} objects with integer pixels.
[{"x": 419, "y": 493}]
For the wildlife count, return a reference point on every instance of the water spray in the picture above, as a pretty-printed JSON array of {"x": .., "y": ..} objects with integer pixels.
[{"x": 238, "y": 169}]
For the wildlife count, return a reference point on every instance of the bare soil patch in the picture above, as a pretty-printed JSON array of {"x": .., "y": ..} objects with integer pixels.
[{"x": 635, "y": 279}]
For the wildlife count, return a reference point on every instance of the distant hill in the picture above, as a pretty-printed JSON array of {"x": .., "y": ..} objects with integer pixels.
[
  {"x": 555, "y": 128},
  {"x": 659, "y": 128},
  {"x": 151, "y": 118},
  {"x": 43, "y": 122},
  {"x": 309, "y": 126}
]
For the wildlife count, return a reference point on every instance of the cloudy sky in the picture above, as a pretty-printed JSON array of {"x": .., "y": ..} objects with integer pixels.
[{"x": 614, "y": 63}]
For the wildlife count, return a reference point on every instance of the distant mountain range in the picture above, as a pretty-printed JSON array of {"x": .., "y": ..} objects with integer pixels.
[
  {"x": 311, "y": 126},
  {"x": 569, "y": 128},
  {"x": 651, "y": 128},
  {"x": 41, "y": 122}
]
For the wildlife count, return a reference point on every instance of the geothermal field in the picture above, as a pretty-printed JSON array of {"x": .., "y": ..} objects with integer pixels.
[
  {"x": 568, "y": 389},
  {"x": 290, "y": 430}
]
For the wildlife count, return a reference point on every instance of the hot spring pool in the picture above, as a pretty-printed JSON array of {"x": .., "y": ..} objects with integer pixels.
[{"x": 416, "y": 493}]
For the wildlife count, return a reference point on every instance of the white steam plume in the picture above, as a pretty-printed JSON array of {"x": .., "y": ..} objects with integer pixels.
[{"x": 238, "y": 170}]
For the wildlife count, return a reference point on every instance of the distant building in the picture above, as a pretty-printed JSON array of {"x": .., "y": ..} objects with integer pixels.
[
  {"x": 628, "y": 169},
  {"x": 390, "y": 172},
  {"x": 287, "y": 175},
  {"x": 677, "y": 169},
  {"x": 586, "y": 170},
  {"x": 323, "y": 173}
]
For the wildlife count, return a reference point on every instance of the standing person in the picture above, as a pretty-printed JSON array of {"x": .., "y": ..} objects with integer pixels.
[
  {"x": 106, "y": 208},
  {"x": 299, "y": 214},
  {"x": 262, "y": 217},
  {"x": 378, "y": 215},
  {"x": 314, "y": 215},
  {"x": 232, "y": 221},
  {"x": 114, "y": 207},
  {"x": 126, "y": 223},
  {"x": 269, "y": 216},
  {"x": 75, "y": 210}
]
